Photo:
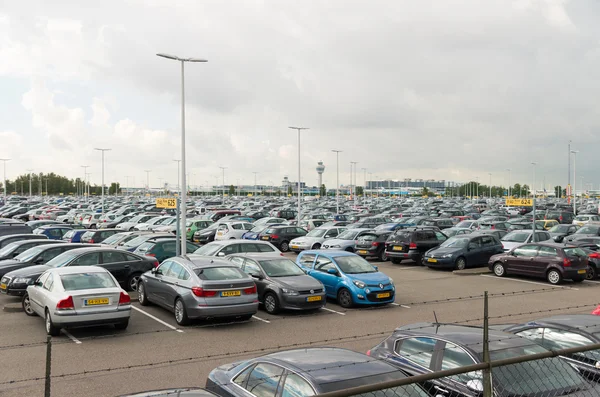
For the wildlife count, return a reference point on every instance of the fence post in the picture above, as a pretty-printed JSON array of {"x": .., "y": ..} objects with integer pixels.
[
  {"x": 48, "y": 365},
  {"x": 487, "y": 378}
]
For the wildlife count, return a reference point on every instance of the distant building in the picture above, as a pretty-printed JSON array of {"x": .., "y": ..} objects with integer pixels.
[{"x": 320, "y": 170}]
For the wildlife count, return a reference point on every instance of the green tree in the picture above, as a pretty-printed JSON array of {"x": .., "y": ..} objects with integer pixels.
[
  {"x": 526, "y": 190},
  {"x": 425, "y": 191},
  {"x": 516, "y": 190},
  {"x": 231, "y": 190},
  {"x": 359, "y": 190},
  {"x": 558, "y": 190},
  {"x": 114, "y": 188},
  {"x": 290, "y": 190},
  {"x": 322, "y": 191}
]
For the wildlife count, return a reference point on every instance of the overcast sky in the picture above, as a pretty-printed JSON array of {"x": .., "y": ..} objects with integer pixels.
[{"x": 452, "y": 89}]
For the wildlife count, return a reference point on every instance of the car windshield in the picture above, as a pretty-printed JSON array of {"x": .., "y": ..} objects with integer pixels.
[
  {"x": 317, "y": 233},
  {"x": 61, "y": 259},
  {"x": 354, "y": 265},
  {"x": 136, "y": 219},
  {"x": 548, "y": 376},
  {"x": 281, "y": 268},
  {"x": 115, "y": 238},
  {"x": 136, "y": 241},
  {"x": 456, "y": 242},
  {"x": 258, "y": 229},
  {"x": 220, "y": 273},
  {"x": 588, "y": 229},
  {"x": 208, "y": 249},
  {"x": 582, "y": 218},
  {"x": 559, "y": 229},
  {"x": 464, "y": 224},
  {"x": 80, "y": 281},
  {"x": 515, "y": 237},
  {"x": 451, "y": 232},
  {"x": 8, "y": 249},
  {"x": 69, "y": 234},
  {"x": 348, "y": 235},
  {"x": 30, "y": 253}
]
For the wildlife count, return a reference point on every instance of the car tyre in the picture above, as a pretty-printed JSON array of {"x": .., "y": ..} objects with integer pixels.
[
  {"x": 591, "y": 273},
  {"x": 122, "y": 325},
  {"x": 142, "y": 297},
  {"x": 284, "y": 246},
  {"x": 180, "y": 313},
  {"x": 554, "y": 277},
  {"x": 383, "y": 256},
  {"x": 344, "y": 298},
  {"x": 499, "y": 269},
  {"x": 460, "y": 264},
  {"x": 316, "y": 246},
  {"x": 271, "y": 303},
  {"x": 132, "y": 282},
  {"x": 51, "y": 329},
  {"x": 396, "y": 261},
  {"x": 26, "y": 304},
  {"x": 349, "y": 249}
]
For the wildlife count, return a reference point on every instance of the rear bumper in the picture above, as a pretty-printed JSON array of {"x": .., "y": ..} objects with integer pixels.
[
  {"x": 574, "y": 273},
  {"x": 414, "y": 255},
  {"x": 84, "y": 320},
  {"x": 242, "y": 309},
  {"x": 366, "y": 252}
]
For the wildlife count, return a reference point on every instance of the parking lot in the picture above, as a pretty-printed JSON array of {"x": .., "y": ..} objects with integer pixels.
[{"x": 155, "y": 353}]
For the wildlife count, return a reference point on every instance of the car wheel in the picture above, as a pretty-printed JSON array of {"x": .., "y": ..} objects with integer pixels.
[
  {"x": 26, "y": 304},
  {"x": 180, "y": 313},
  {"x": 344, "y": 298},
  {"x": 50, "y": 328},
  {"x": 554, "y": 277},
  {"x": 132, "y": 282},
  {"x": 131, "y": 229},
  {"x": 349, "y": 249},
  {"x": 92, "y": 226},
  {"x": 284, "y": 246},
  {"x": 591, "y": 273},
  {"x": 122, "y": 325},
  {"x": 271, "y": 303},
  {"x": 460, "y": 264},
  {"x": 499, "y": 269},
  {"x": 316, "y": 246},
  {"x": 396, "y": 261},
  {"x": 142, "y": 298},
  {"x": 383, "y": 256}
]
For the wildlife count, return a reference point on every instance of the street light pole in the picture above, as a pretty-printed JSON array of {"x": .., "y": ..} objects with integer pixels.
[
  {"x": 4, "y": 180},
  {"x": 178, "y": 165},
  {"x": 490, "y": 174},
  {"x": 223, "y": 169},
  {"x": 147, "y": 181},
  {"x": 85, "y": 167},
  {"x": 337, "y": 189},
  {"x": 353, "y": 183},
  {"x": 574, "y": 191},
  {"x": 569, "y": 172},
  {"x": 30, "y": 171},
  {"x": 508, "y": 192},
  {"x": 365, "y": 184},
  {"x": 533, "y": 191},
  {"x": 299, "y": 177},
  {"x": 102, "y": 150},
  {"x": 255, "y": 172}
]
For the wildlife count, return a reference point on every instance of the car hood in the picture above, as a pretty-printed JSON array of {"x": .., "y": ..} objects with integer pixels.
[
  {"x": 30, "y": 271},
  {"x": 440, "y": 251},
  {"x": 508, "y": 245},
  {"x": 298, "y": 282},
  {"x": 337, "y": 241},
  {"x": 370, "y": 278},
  {"x": 9, "y": 262},
  {"x": 305, "y": 240},
  {"x": 126, "y": 224}
]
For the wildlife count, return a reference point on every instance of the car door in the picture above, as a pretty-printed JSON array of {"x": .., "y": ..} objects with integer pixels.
[
  {"x": 89, "y": 259},
  {"x": 252, "y": 268},
  {"x": 450, "y": 356},
  {"x": 415, "y": 355},
  {"x": 474, "y": 251},
  {"x": 117, "y": 264},
  {"x": 523, "y": 260},
  {"x": 171, "y": 284},
  {"x": 321, "y": 270},
  {"x": 544, "y": 257},
  {"x": 154, "y": 283},
  {"x": 35, "y": 295}
]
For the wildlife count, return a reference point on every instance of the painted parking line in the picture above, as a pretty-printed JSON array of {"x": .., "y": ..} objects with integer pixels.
[
  {"x": 70, "y": 336},
  {"x": 394, "y": 304},
  {"x": 261, "y": 319},
  {"x": 333, "y": 311},
  {"x": 157, "y": 319},
  {"x": 530, "y": 282},
  {"x": 408, "y": 267},
  {"x": 404, "y": 306},
  {"x": 592, "y": 281}
]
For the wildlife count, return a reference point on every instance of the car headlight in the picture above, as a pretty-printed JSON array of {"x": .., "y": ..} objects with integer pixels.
[
  {"x": 21, "y": 280},
  {"x": 391, "y": 281},
  {"x": 447, "y": 256},
  {"x": 289, "y": 291},
  {"x": 359, "y": 284}
]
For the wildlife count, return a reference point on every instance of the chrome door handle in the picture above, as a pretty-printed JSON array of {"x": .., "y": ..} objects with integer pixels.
[{"x": 441, "y": 390}]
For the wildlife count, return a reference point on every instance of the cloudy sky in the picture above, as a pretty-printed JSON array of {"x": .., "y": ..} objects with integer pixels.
[{"x": 451, "y": 89}]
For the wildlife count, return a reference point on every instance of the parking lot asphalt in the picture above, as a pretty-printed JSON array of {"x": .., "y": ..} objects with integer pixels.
[{"x": 155, "y": 353}]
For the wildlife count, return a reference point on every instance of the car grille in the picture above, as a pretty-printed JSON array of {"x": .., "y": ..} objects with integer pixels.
[
  {"x": 308, "y": 292},
  {"x": 377, "y": 285},
  {"x": 229, "y": 285},
  {"x": 373, "y": 296}
]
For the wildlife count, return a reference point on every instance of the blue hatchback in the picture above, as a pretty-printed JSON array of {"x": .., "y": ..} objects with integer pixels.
[{"x": 348, "y": 278}]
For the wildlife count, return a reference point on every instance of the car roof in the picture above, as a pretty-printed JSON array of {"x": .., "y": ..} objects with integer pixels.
[
  {"x": 331, "y": 253},
  {"x": 259, "y": 256},
  {"x": 39, "y": 241},
  {"x": 201, "y": 261},
  {"x": 237, "y": 241},
  {"x": 586, "y": 322},
  {"x": 78, "y": 269}
]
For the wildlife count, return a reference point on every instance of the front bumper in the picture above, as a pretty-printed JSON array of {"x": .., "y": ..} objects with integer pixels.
[
  {"x": 299, "y": 247},
  {"x": 439, "y": 262},
  {"x": 374, "y": 296},
  {"x": 300, "y": 302},
  {"x": 14, "y": 289}
]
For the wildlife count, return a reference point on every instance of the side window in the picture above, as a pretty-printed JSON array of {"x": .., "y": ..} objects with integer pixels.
[
  {"x": 487, "y": 241},
  {"x": 43, "y": 278},
  {"x": 307, "y": 260},
  {"x": 300, "y": 231},
  {"x": 331, "y": 233},
  {"x": 112, "y": 257},
  {"x": 87, "y": 259},
  {"x": 249, "y": 247},
  {"x": 55, "y": 232},
  {"x": 183, "y": 274},
  {"x": 165, "y": 267},
  {"x": 296, "y": 386},
  {"x": 230, "y": 249},
  {"x": 265, "y": 248},
  {"x": 237, "y": 226},
  {"x": 323, "y": 264},
  {"x": 247, "y": 226},
  {"x": 475, "y": 243},
  {"x": 131, "y": 258},
  {"x": 169, "y": 247},
  {"x": 236, "y": 260},
  {"x": 190, "y": 247},
  {"x": 251, "y": 267},
  {"x": 174, "y": 270},
  {"x": 455, "y": 357},
  {"x": 264, "y": 379},
  {"x": 547, "y": 251},
  {"x": 440, "y": 236},
  {"x": 243, "y": 376},
  {"x": 526, "y": 251},
  {"x": 49, "y": 282},
  {"x": 417, "y": 350},
  {"x": 546, "y": 236}
]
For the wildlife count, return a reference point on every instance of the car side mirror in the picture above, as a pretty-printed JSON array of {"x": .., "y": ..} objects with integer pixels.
[
  {"x": 221, "y": 253},
  {"x": 558, "y": 239},
  {"x": 376, "y": 268},
  {"x": 332, "y": 271},
  {"x": 256, "y": 276},
  {"x": 37, "y": 284},
  {"x": 39, "y": 261}
]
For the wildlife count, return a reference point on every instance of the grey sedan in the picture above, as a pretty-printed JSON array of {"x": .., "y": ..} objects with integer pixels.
[
  {"x": 281, "y": 283},
  {"x": 199, "y": 288}
]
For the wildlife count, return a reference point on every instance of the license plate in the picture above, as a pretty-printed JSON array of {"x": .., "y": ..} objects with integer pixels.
[
  {"x": 196, "y": 240},
  {"x": 384, "y": 295},
  {"x": 220, "y": 234},
  {"x": 578, "y": 272},
  {"x": 313, "y": 298},
  {"x": 397, "y": 248},
  {"x": 294, "y": 247},
  {"x": 94, "y": 302},
  {"x": 231, "y": 293},
  {"x": 265, "y": 238},
  {"x": 432, "y": 260},
  {"x": 2, "y": 286},
  {"x": 362, "y": 252}
]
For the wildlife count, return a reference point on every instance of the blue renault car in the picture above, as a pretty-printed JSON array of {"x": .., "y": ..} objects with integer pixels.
[{"x": 348, "y": 278}]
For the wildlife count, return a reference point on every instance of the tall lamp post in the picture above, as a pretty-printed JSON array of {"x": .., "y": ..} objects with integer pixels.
[
  {"x": 490, "y": 174},
  {"x": 223, "y": 170},
  {"x": 85, "y": 167},
  {"x": 573, "y": 188},
  {"x": 299, "y": 177},
  {"x": 533, "y": 195},
  {"x": 102, "y": 150},
  {"x": 4, "y": 180},
  {"x": 147, "y": 181},
  {"x": 255, "y": 172},
  {"x": 29, "y": 171},
  {"x": 178, "y": 165},
  {"x": 337, "y": 189},
  {"x": 508, "y": 192},
  {"x": 365, "y": 183},
  {"x": 353, "y": 183},
  {"x": 183, "y": 186}
]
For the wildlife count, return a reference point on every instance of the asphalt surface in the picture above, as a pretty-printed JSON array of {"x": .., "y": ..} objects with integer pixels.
[{"x": 154, "y": 353}]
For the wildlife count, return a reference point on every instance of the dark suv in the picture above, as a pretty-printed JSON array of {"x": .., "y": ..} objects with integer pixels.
[
  {"x": 372, "y": 244},
  {"x": 412, "y": 243},
  {"x": 440, "y": 223},
  {"x": 280, "y": 236},
  {"x": 561, "y": 216},
  {"x": 288, "y": 215}
]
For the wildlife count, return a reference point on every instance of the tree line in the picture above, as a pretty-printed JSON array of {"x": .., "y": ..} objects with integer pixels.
[{"x": 53, "y": 185}]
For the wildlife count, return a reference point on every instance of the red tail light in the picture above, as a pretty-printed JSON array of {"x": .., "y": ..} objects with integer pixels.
[
  {"x": 566, "y": 262},
  {"x": 275, "y": 236},
  {"x": 412, "y": 245},
  {"x": 152, "y": 255},
  {"x": 595, "y": 255},
  {"x": 493, "y": 227},
  {"x": 202, "y": 293},
  {"x": 250, "y": 291},
  {"x": 189, "y": 230},
  {"x": 124, "y": 299},
  {"x": 375, "y": 244},
  {"x": 92, "y": 241},
  {"x": 368, "y": 352},
  {"x": 560, "y": 218},
  {"x": 65, "y": 304},
  {"x": 156, "y": 264}
]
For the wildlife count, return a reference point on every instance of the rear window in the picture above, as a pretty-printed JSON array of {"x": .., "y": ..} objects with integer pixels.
[
  {"x": 80, "y": 281},
  {"x": 367, "y": 238},
  {"x": 402, "y": 236},
  {"x": 575, "y": 252},
  {"x": 145, "y": 247},
  {"x": 220, "y": 273},
  {"x": 136, "y": 241},
  {"x": 208, "y": 249},
  {"x": 69, "y": 234}
]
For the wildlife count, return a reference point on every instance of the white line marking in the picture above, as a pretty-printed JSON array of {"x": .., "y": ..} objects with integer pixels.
[
  {"x": 394, "y": 304},
  {"x": 408, "y": 267},
  {"x": 530, "y": 282},
  {"x": 157, "y": 319},
  {"x": 333, "y": 311},
  {"x": 404, "y": 306},
  {"x": 262, "y": 319},
  {"x": 592, "y": 281},
  {"x": 74, "y": 339}
]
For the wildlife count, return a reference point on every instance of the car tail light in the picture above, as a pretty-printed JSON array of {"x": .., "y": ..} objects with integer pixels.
[
  {"x": 65, "y": 304},
  {"x": 375, "y": 244},
  {"x": 250, "y": 291},
  {"x": 152, "y": 255},
  {"x": 595, "y": 255},
  {"x": 124, "y": 299},
  {"x": 566, "y": 262},
  {"x": 281, "y": 254},
  {"x": 560, "y": 218},
  {"x": 493, "y": 227},
  {"x": 156, "y": 264},
  {"x": 189, "y": 230},
  {"x": 202, "y": 293},
  {"x": 91, "y": 241},
  {"x": 275, "y": 236},
  {"x": 368, "y": 352},
  {"x": 412, "y": 245}
]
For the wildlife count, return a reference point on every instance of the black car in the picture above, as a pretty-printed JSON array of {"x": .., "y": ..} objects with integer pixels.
[
  {"x": 559, "y": 232},
  {"x": 97, "y": 236},
  {"x": 593, "y": 252},
  {"x": 124, "y": 266},
  {"x": 285, "y": 214},
  {"x": 10, "y": 228},
  {"x": 464, "y": 251},
  {"x": 131, "y": 245},
  {"x": 440, "y": 223},
  {"x": 306, "y": 372},
  {"x": 162, "y": 248},
  {"x": 564, "y": 217},
  {"x": 280, "y": 283},
  {"x": 423, "y": 348},
  {"x": 18, "y": 247},
  {"x": 372, "y": 244},
  {"x": 5, "y": 240},
  {"x": 280, "y": 236},
  {"x": 564, "y": 332},
  {"x": 588, "y": 230},
  {"x": 206, "y": 235},
  {"x": 412, "y": 243}
]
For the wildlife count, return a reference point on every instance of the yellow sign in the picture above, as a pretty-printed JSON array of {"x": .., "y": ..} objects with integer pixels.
[
  {"x": 166, "y": 203},
  {"x": 520, "y": 202}
]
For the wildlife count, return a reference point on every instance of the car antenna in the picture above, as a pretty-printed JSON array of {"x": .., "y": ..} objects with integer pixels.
[{"x": 437, "y": 323}]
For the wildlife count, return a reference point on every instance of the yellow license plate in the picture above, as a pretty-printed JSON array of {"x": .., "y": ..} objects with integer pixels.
[
  {"x": 432, "y": 260},
  {"x": 362, "y": 252},
  {"x": 2, "y": 286},
  {"x": 578, "y": 272},
  {"x": 294, "y": 246},
  {"x": 231, "y": 293},
  {"x": 384, "y": 295},
  {"x": 220, "y": 234},
  {"x": 196, "y": 240},
  {"x": 397, "y": 248},
  {"x": 313, "y": 298},
  {"x": 94, "y": 302},
  {"x": 265, "y": 238}
]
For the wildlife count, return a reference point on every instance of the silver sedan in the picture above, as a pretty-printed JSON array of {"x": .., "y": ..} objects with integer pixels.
[{"x": 77, "y": 296}]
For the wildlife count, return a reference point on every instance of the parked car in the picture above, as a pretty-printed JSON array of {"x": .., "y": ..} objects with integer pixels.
[
  {"x": 18, "y": 247},
  {"x": 199, "y": 288},
  {"x": 559, "y": 232},
  {"x": 232, "y": 230},
  {"x": 177, "y": 392},
  {"x": 547, "y": 224},
  {"x": 520, "y": 237},
  {"x": 412, "y": 243},
  {"x": 132, "y": 244},
  {"x": 563, "y": 217},
  {"x": 117, "y": 240},
  {"x": 162, "y": 248},
  {"x": 310, "y": 224},
  {"x": 36, "y": 224},
  {"x": 551, "y": 261},
  {"x": 440, "y": 223},
  {"x": 280, "y": 236},
  {"x": 455, "y": 231},
  {"x": 117, "y": 220},
  {"x": 315, "y": 238},
  {"x": 53, "y": 232},
  {"x": 348, "y": 278},
  {"x": 372, "y": 245},
  {"x": 79, "y": 296},
  {"x": 91, "y": 221},
  {"x": 206, "y": 235},
  {"x": 589, "y": 230},
  {"x": 345, "y": 241},
  {"x": 228, "y": 247},
  {"x": 10, "y": 238},
  {"x": 281, "y": 283},
  {"x": 581, "y": 220},
  {"x": 271, "y": 220},
  {"x": 74, "y": 235},
  {"x": 153, "y": 222},
  {"x": 254, "y": 233},
  {"x": 194, "y": 225},
  {"x": 460, "y": 252},
  {"x": 8, "y": 228},
  {"x": 98, "y": 236},
  {"x": 133, "y": 222}
]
